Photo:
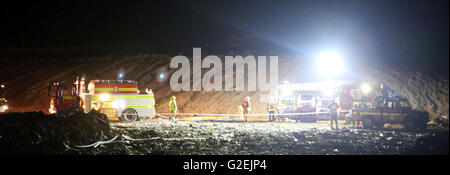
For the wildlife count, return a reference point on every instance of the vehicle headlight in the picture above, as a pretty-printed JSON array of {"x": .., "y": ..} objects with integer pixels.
[
  {"x": 104, "y": 97},
  {"x": 118, "y": 104},
  {"x": 366, "y": 88}
]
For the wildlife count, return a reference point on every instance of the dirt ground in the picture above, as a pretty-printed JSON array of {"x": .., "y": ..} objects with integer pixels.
[
  {"x": 93, "y": 134},
  {"x": 264, "y": 138}
]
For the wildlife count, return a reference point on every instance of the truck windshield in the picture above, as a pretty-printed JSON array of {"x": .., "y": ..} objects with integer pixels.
[
  {"x": 306, "y": 97},
  {"x": 405, "y": 104},
  {"x": 287, "y": 102}
]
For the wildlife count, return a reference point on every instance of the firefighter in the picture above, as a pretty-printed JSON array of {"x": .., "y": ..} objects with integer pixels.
[
  {"x": 271, "y": 110},
  {"x": 245, "y": 107},
  {"x": 333, "y": 113},
  {"x": 384, "y": 91},
  {"x": 384, "y": 94},
  {"x": 173, "y": 107}
]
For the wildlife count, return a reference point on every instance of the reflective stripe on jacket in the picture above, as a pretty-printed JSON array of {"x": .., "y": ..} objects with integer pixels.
[
  {"x": 172, "y": 105},
  {"x": 270, "y": 107}
]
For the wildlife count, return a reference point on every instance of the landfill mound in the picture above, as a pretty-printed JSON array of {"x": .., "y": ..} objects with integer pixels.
[
  {"x": 38, "y": 133},
  {"x": 142, "y": 68},
  {"x": 425, "y": 90}
]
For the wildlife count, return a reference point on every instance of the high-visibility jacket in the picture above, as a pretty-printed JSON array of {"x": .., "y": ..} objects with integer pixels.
[
  {"x": 172, "y": 105},
  {"x": 270, "y": 107}
]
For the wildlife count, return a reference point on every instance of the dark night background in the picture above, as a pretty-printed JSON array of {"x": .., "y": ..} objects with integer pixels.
[{"x": 411, "y": 33}]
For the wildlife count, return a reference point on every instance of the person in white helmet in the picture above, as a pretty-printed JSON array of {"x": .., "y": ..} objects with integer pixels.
[{"x": 245, "y": 107}]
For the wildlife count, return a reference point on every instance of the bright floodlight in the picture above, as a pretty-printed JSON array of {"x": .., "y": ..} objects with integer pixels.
[
  {"x": 104, "y": 97},
  {"x": 329, "y": 64},
  {"x": 365, "y": 88},
  {"x": 328, "y": 92}
]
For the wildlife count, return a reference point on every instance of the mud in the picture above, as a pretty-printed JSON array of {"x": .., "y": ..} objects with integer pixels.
[
  {"x": 37, "y": 133},
  {"x": 220, "y": 138}
]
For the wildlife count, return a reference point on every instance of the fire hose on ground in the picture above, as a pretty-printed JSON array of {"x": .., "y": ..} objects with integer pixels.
[{"x": 127, "y": 139}]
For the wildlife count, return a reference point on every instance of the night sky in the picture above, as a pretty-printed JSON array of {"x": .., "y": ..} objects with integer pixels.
[{"x": 411, "y": 33}]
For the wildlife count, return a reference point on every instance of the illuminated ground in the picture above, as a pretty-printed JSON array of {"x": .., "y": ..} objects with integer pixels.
[{"x": 229, "y": 138}]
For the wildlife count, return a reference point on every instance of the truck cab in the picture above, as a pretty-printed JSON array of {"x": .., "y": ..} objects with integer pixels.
[{"x": 63, "y": 96}]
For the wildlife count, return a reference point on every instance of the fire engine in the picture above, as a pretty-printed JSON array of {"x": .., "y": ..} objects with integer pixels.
[
  {"x": 3, "y": 101},
  {"x": 306, "y": 98},
  {"x": 315, "y": 97},
  {"x": 117, "y": 99}
]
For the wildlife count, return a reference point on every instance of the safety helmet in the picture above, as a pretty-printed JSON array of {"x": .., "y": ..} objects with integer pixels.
[
  {"x": 173, "y": 97},
  {"x": 247, "y": 98}
]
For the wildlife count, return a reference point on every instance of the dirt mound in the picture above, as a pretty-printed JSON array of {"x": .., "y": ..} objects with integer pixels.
[
  {"x": 37, "y": 133},
  {"x": 425, "y": 91}
]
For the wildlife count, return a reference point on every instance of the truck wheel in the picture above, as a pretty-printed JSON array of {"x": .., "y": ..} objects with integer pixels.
[
  {"x": 368, "y": 123},
  {"x": 129, "y": 115}
]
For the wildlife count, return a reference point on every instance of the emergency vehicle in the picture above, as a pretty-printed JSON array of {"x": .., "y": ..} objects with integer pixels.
[
  {"x": 3, "y": 101},
  {"x": 117, "y": 99},
  {"x": 307, "y": 98},
  {"x": 315, "y": 97},
  {"x": 394, "y": 109},
  {"x": 354, "y": 94},
  {"x": 298, "y": 102}
]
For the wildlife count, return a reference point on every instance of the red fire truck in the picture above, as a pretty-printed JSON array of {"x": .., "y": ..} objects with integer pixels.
[
  {"x": 314, "y": 98},
  {"x": 118, "y": 99},
  {"x": 305, "y": 99}
]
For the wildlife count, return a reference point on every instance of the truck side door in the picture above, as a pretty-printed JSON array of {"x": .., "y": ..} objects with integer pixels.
[{"x": 393, "y": 110}]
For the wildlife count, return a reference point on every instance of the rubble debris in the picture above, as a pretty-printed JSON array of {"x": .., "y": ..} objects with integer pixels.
[
  {"x": 38, "y": 133},
  {"x": 265, "y": 138}
]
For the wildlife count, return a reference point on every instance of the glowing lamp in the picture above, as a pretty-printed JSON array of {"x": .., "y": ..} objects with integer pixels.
[
  {"x": 366, "y": 89},
  {"x": 104, "y": 97},
  {"x": 329, "y": 64}
]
